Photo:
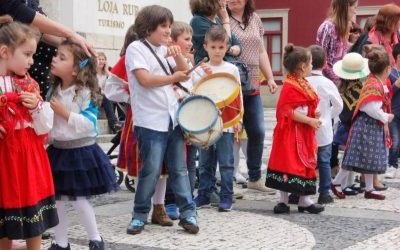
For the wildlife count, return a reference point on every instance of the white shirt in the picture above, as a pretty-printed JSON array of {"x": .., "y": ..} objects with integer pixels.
[
  {"x": 330, "y": 105},
  {"x": 226, "y": 67},
  {"x": 82, "y": 120},
  {"x": 42, "y": 116},
  {"x": 374, "y": 109},
  {"x": 153, "y": 107}
]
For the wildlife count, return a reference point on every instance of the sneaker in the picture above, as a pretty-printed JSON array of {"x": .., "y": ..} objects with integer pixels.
[
  {"x": 172, "y": 211},
  {"x": 325, "y": 199},
  {"x": 190, "y": 224},
  {"x": 135, "y": 227},
  {"x": 54, "y": 246},
  {"x": 225, "y": 205},
  {"x": 239, "y": 178},
  {"x": 391, "y": 173},
  {"x": 202, "y": 201},
  {"x": 96, "y": 245},
  {"x": 260, "y": 186}
]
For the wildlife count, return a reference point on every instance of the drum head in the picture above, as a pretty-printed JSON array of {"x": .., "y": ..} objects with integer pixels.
[
  {"x": 222, "y": 88},
  {"x": 197, "y": 114}
]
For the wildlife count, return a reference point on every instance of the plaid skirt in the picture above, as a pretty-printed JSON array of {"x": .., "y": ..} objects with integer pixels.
[{"x": 366, "y": 149}]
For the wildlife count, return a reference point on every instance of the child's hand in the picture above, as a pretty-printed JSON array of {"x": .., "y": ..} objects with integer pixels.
[
  {"x": 238, "y": 127},
  {"x": 206, "y": 68},
  {"x": 59, "y": 108},
  {"x": 315, "y": 123},
  {"x": 3, "y": 132},
  {"x": 397, "y": 83},
  {"x": 173, "y": 51},
  {"x": 317, "y": 114},
  {"x": 180, "y": 76},
  {"x": 29, "y": 99},
  {"x": 390, "y": 117}
]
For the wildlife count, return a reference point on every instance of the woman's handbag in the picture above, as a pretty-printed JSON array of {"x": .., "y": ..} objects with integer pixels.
[{"x": 247, "y": 87}]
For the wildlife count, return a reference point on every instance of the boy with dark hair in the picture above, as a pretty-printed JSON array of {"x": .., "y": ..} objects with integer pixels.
[
  {"x": 394, "y": 126},
  {"x": 330, "y": 106}
]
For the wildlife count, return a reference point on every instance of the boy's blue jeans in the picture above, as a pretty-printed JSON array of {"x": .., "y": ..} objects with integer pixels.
[
  {"x": 394, "y": 128},
  {"x": 155, "y": 148},
  {"x": 324, "y": 168},
  {"x": 221, "y": 153}
]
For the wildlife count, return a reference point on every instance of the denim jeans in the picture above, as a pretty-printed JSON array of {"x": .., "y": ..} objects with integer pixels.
[
  {"x": 110, "y": 112},
  {"x": 221, "y": 153},
  {"x": 324, "y": 168},
  {"x": 394, "y": 128},
  {"x": 253, "y": 121},
  {"x": 156, "y": 147},
  {"x": 191, "y": 155}
]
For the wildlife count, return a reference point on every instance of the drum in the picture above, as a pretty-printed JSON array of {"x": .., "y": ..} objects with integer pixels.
[
  {"x": 200, "y": 121},
  {"x": 224, "y": 90}
]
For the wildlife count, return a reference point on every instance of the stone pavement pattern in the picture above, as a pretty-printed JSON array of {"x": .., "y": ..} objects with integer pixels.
[{"x": 353, "y": 223}]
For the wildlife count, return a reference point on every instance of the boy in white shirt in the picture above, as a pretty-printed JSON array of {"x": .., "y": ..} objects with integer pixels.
[
  {"x": 216, "y": 45},
  {"x": 330, "y": 105}
]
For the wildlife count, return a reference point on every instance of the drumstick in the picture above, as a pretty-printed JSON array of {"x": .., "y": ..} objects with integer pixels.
[{"x": 205, "y": 59}]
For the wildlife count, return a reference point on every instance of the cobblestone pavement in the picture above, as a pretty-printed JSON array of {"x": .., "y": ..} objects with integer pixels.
[{"x": 353, "y": 223}]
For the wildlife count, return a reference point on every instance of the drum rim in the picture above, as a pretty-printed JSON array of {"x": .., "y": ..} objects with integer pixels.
[
  {"x": 206, "y": 128},
  {"x": 235, "y": 120},
  {"x": 230, "y": 98}
]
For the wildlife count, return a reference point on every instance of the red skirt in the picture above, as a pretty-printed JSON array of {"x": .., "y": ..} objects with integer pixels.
[
  {"x": 27, "y": 205},
  {"x": 128, "y": 157}
]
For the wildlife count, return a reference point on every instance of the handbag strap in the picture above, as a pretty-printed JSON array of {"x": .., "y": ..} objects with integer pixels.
[{"x": 178, "y": 84}]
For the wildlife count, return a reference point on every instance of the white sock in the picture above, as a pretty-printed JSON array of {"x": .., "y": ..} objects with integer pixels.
[
  {"x": 349, "y": 181},
  {"x": 305, "y": 201},
  {"x": 87, "y": 218},
  {"x": 340, "y": 177},
  {"x": 369, "y": 182},
  {"x": 243, "y": 145},
  {"x": 159, "y": 193},
  {"x": 284, "y": 198},
  {"x": 61, "y": 230}
]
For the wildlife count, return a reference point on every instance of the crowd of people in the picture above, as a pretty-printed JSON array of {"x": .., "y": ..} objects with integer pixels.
[{"x": 341, "y": 92}]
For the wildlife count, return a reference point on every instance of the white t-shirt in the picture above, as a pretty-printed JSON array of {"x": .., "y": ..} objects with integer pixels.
[
  {"x": 330, "y": 105},
  {"x": 153, "y": 107}
]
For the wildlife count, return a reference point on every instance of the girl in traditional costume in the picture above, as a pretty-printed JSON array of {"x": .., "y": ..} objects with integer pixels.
[
  {"x": 27, "y": 205},
  {"x": 291, "y": 167},
  {"x": 80, "y": 168},
  {"x": 369, "y": 139}
]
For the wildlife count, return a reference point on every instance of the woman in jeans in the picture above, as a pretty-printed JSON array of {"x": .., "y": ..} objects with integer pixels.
[{"x": 247, "y": 26}]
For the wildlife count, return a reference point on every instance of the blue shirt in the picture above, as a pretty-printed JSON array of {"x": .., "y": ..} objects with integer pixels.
[{"x": 394, "y": 75}]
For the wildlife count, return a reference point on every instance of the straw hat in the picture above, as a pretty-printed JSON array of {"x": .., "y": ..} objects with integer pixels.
[{"x": 353, "y": 66}]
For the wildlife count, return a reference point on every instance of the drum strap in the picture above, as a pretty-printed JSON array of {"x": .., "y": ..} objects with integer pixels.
[{"x": 178, "y": 84}]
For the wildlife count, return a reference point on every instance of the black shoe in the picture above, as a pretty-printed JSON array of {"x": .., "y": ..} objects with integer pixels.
[
  {"x": 294, "y": 199},
  {"x": 383, "y": 188},
  {"x": 349, "y": 191},
  {"x": 312, "y": 209},
  {"x": 281, "y": 208},
  {"x": 325, "y": 199},
  {"x": 358, "y": 189},
  {"x": 54, "y": 246},
  {"x": 96, "y": 245},
  {"x": 46, "y": 236}
]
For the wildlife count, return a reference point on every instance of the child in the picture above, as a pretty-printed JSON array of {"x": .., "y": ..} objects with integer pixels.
[
  {"x": 240, "y": 143},
  {"x": 155, "y": 105},
  {"x": 369, "y": 136},
  {"x": 291, "y": 166},
  {"x": 215, "y": 43},
  {"x": 330, "y": 105},
  {"x": 349, "y": 89},
  {"x": 28, "y": 208},
  {"x": 116, "y": 89},
  {"x": 181, "y": 35},
  {"x": 394, "y": 127},
  {"x": 80, "y": 168}
]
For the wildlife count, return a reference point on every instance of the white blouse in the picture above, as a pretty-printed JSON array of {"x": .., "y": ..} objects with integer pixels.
[{"x": 82, "y": 122}]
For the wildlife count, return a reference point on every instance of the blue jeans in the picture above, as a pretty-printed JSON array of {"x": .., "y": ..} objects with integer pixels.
[
  {"x": 324, "y": 168},
  {"x": 155, "y": 148},
  {"x": 110, "y": 112},
  {"x": 394, "y": 128},
  {"x": 253, "y": 121},
  {"x": 221, "y": 153}
]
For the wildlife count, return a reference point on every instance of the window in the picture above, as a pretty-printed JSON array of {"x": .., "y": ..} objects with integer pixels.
[{"x": 273, "y": 42}]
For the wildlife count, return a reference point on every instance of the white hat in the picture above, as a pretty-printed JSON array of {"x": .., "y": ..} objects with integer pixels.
[{"x": 353, "y": 66}]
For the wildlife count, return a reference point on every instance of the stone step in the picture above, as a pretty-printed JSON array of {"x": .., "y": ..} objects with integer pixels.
[
  {"x": 102, "y": 124},
  {"x": 104, "y": 138}
]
